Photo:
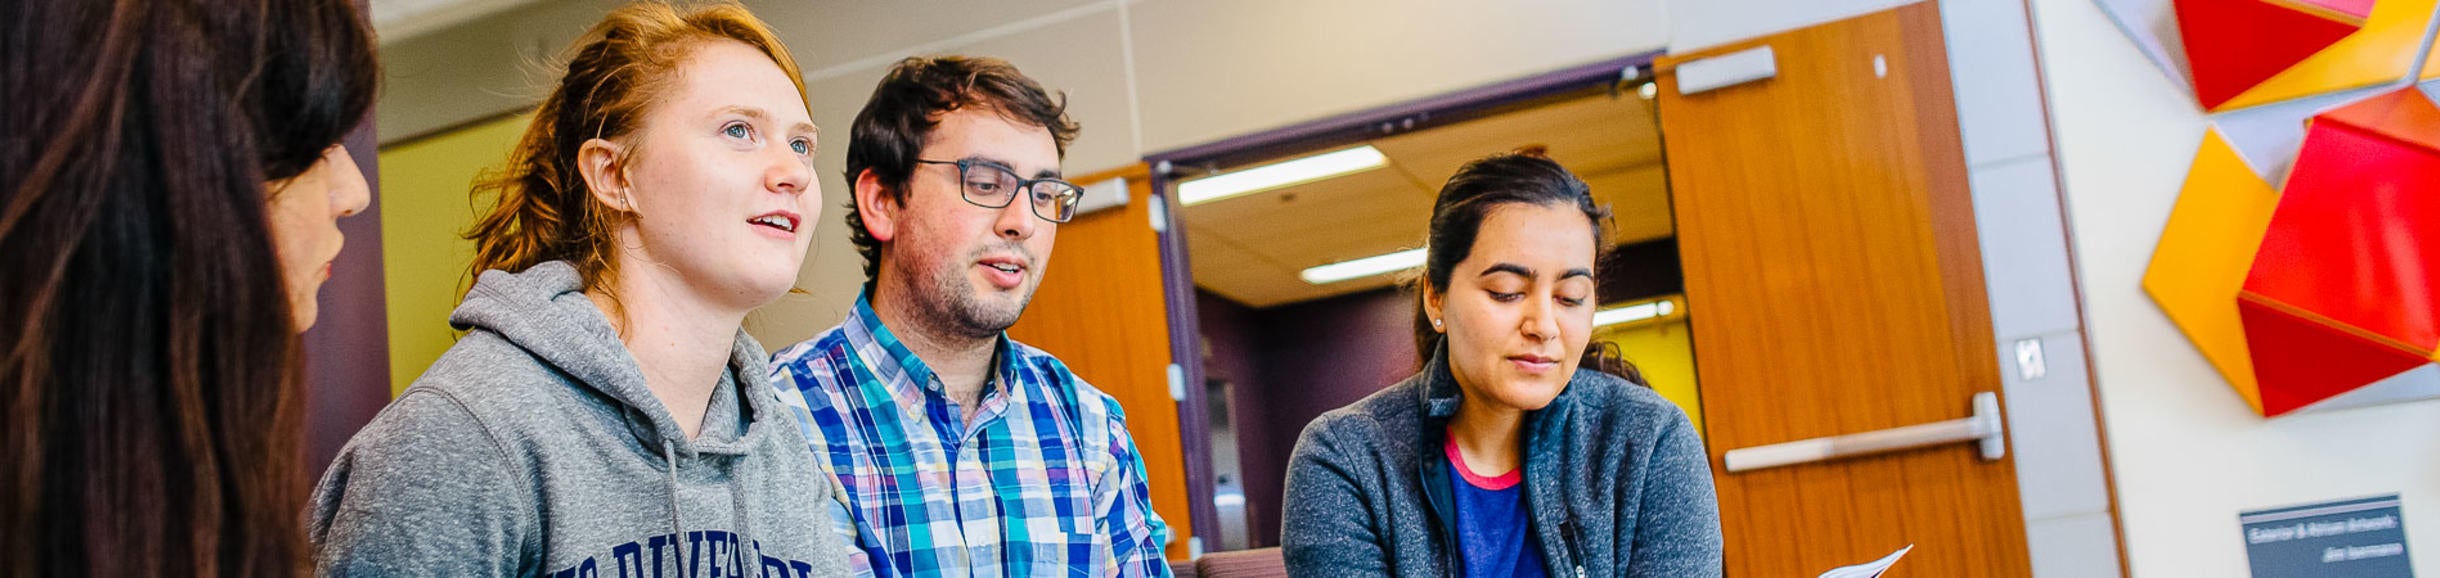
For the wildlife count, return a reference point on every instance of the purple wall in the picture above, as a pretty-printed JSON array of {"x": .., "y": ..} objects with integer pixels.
[
  {"x": 1293, "y": 362},
  {"x": 347, "y": 353},
  {"x": 1228, "y": 334}
]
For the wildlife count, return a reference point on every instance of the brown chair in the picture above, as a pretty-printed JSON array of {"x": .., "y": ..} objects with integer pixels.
[{"x": 1258, "y": 563}]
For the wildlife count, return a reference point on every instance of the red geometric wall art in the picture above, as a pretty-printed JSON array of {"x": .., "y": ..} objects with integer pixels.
[
  {"x": 2302, "y": 257},
  {"x": 2236, "y": 54},
  {"x": 2343, "y": 289},
  {"x": 2341, "y": 293},
  {"x": 2232, "y": 45}
]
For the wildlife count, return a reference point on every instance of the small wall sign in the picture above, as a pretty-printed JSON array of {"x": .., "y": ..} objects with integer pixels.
[{"x": 2363, "y": 538}]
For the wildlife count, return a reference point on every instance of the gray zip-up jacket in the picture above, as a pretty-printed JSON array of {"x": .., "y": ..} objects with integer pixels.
[
  {"x": 533, "y": 448},
  {"x": 1616, "y": 481}
]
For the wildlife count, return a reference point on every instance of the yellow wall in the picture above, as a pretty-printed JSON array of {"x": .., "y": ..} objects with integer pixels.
[
  {"x": 1665, "y": 353},
  {"x": 424, "y": 206}
]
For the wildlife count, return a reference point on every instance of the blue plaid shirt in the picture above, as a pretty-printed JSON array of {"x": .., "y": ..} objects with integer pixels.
[{"x": 1045, "y": 483}]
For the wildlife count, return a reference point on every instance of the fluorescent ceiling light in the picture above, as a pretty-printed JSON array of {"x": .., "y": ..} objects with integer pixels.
[
  {"x": 1632, "y": 313},
  {"x": 1365, "y": 267},
  {"x": 1280, "y": 174}
]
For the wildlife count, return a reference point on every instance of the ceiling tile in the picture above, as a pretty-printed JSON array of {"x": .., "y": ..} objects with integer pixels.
[
  {"x": 826, "y": 33},
  {"x": 1588, "y": 135},
  {"x": 1308, "y": 59}
]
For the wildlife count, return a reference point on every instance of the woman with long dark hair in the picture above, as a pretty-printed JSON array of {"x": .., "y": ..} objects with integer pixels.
[
  {"x": 1514, "y": 452},
  {"x": 170, "y": 184}
]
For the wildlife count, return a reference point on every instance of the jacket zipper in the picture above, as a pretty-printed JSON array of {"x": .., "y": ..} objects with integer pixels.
[{"x": 1567, "y": 531}]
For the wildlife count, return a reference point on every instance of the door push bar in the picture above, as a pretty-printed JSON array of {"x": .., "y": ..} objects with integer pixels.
[{"x": 1983, "y": 428}]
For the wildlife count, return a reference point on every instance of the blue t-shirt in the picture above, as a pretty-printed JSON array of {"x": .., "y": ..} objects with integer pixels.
[{"x": 1494, "y": 532}]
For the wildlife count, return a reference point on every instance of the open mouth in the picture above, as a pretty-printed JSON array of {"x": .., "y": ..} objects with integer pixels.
[
  {"x": 782, "y": 220},
  {"x": 1003, "y": 272}
]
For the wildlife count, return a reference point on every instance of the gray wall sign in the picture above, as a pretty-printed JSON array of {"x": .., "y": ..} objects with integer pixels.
[{"x": 2363, "y": 538}]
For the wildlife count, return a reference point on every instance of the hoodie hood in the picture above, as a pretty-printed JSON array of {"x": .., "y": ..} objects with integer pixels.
[{"x": 544, "y": 311}]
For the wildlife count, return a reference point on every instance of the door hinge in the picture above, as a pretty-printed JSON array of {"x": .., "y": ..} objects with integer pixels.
[
  {"x": 1177, "y": 382},
  {"x": 1158, "y": 207}
]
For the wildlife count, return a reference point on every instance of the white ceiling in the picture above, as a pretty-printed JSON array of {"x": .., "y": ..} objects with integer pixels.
[{"x": 1251, "y": 248}]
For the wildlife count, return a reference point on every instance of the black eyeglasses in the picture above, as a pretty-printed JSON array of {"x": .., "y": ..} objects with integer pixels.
[{"x": 992, "y": 186}]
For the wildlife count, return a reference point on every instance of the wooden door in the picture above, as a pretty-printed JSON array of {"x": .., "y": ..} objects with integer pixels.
[
  {"x": 1101, "y": 310},
  {"x": 1828, "y": 238}
]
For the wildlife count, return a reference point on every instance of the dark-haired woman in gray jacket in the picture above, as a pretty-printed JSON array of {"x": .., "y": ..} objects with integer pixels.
[{"x": 1506, "y": 456}]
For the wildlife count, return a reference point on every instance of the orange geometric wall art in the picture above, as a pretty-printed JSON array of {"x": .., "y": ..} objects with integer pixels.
[{"x": 2302, "y": 257}]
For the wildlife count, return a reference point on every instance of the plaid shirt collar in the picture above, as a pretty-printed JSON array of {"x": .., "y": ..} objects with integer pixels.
[
  {"x": 911, "y": 381},
  {"x": 1043, "y": 480}
]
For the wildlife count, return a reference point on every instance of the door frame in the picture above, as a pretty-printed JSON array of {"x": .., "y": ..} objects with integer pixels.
[
  {"x": 1170, "y": 166},
  {"x": 2031, "y": 254}
]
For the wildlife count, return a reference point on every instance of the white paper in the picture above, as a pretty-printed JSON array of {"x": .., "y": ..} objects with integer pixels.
[{"x": 1871, "y": 569}]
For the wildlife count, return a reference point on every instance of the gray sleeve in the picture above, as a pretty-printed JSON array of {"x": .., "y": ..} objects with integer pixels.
[
  {"x": 1327, "y": 529},
  {"x": 423, "y": 490},
  {"x": 1677, "y": 529}
]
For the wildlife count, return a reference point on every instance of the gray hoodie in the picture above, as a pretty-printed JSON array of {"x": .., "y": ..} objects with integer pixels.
[{"x": 533, "y": 448}]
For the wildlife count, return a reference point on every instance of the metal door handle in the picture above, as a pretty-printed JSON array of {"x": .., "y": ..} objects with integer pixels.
[{"x": 1983, "y": 428}]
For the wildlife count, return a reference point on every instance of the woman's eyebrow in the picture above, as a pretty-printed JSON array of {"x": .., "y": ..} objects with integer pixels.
[
  {"x": 1527, "y": 272},
  {"x": 1511, "y": 268}
]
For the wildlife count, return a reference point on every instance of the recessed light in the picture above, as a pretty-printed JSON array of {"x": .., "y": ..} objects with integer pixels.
[
  {"x": 1635, "y": 312},
  {"x": 1280, "y": 174},
  {"x": 1365, "y": 267}
]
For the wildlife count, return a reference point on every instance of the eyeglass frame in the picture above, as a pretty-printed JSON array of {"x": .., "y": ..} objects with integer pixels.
[{"x": 1024, "y": 186}]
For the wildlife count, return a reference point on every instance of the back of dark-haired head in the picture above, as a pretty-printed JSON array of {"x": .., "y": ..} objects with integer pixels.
[
  {"x": 908, "y": 104},
  {"x": 1486, "y": 184},
  {"x": 151, "y": 397},
  {"x": 317, "y": 83}
]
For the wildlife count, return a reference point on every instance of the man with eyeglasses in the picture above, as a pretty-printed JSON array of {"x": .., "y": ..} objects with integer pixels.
[{"x": 959, "y": 451}]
